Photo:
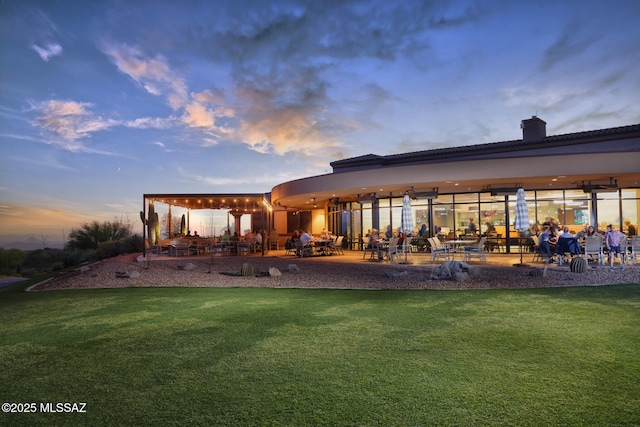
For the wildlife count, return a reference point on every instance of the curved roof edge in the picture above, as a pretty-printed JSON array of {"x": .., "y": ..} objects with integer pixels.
[{"x": 368, "y": 161}]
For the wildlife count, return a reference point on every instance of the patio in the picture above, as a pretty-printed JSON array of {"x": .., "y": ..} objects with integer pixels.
[{"x": 356, "y": 257}]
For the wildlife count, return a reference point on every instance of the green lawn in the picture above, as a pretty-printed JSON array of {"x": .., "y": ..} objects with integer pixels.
[{"x": 206, "y": 356}]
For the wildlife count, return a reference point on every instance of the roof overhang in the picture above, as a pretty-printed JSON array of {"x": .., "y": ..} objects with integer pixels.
[{"x": 229, "y": 201}]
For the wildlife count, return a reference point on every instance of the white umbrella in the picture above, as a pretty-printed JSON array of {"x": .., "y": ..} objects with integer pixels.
[
  {"x": 521, "y": 222},
  {"x": 406, "y": 220}
]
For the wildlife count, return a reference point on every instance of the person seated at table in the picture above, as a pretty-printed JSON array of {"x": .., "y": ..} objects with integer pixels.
[
  {"x": 374, "y": 241},
  {"x": 552, "y": 231},
  {"x": 306, "y": 238},
  {"x": 613, "y": 239},
  {"x": 631, "y": 229},
  {"x": 592, "y": 232},
  {"x": 389, "y": 233},
  {"x": 490, "y": 229},
  {"x": 423, "y": 230},
  {"x": 566, "y": 232},
  {"x": 544, "y": 243},
  {"x": 258, "y": 237},
  {"x": 567, "y": 243},
  {"x": 582, "y": 233},
  {"x": 324, "y": 234}
]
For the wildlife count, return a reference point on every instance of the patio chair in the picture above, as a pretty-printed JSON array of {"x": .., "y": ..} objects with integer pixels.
[
  {"x": 152, "y": 249},
  {"x": 536, "y": 249},
  {"x": 475, "y": 250},
  {"x": 493, "y": 242},
  {"x": 302, "y": 250},
  {"x": 371, "y": 249},
  {"x": 390, "y": 251},
  {"x": 247, "y": 247},
  {"x": 274, "y": 241},
  {"x": 289, "y": 247},
  {"x": 406, "y": 248},
  {"x": 635, "y": 248},
  {"x": 335, "y": 247},
  {"x": 594, "y": 246},
  {"x": 179, "y": 247},
  {"x": 437, "y": 249}
]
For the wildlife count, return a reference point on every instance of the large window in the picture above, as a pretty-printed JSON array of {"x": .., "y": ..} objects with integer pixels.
[
  {"x": 608, "y": 210},
  {"x": 630, "y": 211},
  {"x": 443, "y": 216}
]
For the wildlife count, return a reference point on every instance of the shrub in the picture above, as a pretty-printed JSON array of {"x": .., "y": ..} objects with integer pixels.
[
  {"x": 11, "y": 261},
  {"x": 94, "y": 234}
]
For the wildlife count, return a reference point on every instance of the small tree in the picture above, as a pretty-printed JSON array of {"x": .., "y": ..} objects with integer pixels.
[{"x": 91, "y": 235}]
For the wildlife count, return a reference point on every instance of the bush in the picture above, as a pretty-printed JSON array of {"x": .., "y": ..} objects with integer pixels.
[
  {"x": 11, "y": 261},
  {"x": 128, "y": 245},
  {"x": 93, "y": 235}
]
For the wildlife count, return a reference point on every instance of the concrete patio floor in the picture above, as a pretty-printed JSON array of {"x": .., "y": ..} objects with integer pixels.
[{"x": 349, "y": 256}]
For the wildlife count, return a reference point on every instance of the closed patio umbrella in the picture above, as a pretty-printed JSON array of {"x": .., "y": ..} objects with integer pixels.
[
  {"x": 406, "y": 221},
  {"x": 521, "y": 222}
]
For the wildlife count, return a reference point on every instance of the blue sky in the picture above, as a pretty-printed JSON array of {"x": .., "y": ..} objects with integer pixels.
[{"x": 102, "y": 101}]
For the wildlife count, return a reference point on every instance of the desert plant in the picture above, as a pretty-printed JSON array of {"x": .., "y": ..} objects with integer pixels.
[
  {"x": 152, "y": 223},
  {"x": 249, "y": 270},
  {"x": 578, "y": 265},
  {"x": 91, "y": 235}
]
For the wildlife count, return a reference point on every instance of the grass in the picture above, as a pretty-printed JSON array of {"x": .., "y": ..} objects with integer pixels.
[{"x": 207, "y": 356}]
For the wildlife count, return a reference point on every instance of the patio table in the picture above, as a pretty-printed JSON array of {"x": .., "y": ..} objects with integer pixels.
[{"x": 457, "y": 246}]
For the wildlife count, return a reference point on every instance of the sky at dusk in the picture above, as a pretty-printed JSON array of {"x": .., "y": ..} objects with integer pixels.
[{"x": 103, "y": 101}]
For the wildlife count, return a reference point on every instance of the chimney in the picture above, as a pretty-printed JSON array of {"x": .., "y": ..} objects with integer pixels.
[{"x": 533, "y": 129}]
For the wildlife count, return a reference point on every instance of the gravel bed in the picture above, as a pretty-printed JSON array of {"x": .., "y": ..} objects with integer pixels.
[{"x": 126, "y": 271}]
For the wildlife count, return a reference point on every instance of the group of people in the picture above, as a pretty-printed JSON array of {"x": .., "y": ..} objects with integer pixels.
[{"x": 551, "y": 234}]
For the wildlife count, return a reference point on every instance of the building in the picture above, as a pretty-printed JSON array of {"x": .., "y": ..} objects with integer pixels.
[{"x": 586, "y": 177}]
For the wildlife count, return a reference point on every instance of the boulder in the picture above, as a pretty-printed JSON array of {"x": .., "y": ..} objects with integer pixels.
[
  {"x": 274, "y": 272},
  {"x": 294, "y": 268},
  {"x": 453, "y": 270}
]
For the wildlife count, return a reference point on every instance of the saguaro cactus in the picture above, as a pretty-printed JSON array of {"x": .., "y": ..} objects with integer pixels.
[{"x": 152, "y": 223}]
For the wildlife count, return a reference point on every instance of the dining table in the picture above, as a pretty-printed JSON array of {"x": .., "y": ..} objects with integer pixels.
[
  {"x": 457, "y": 246},
  {"x": 322, "y": 246}
]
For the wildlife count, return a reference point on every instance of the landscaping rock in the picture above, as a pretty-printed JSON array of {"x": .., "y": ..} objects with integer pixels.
[
  {"x": 396, "y": 273},
  {"x": 294, "y": 268},
  {"x": 274, "y": 272},
  {"x": 453, "y": 270}
]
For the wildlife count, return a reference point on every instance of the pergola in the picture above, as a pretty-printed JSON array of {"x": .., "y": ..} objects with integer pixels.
[{"x": 236, "y": 204}]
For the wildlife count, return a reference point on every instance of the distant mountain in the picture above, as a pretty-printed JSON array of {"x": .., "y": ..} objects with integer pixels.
[{"x": 29, "y": 244}]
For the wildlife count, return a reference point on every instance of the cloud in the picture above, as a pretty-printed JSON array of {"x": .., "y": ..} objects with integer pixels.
[
  {"x": 570, "y": 44},
  {"x": 49, "y": 51},
  {"x": 69, "y": 122},
  {"x": 151, "y": 73},
  {"x": 151, "y": 123}
]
